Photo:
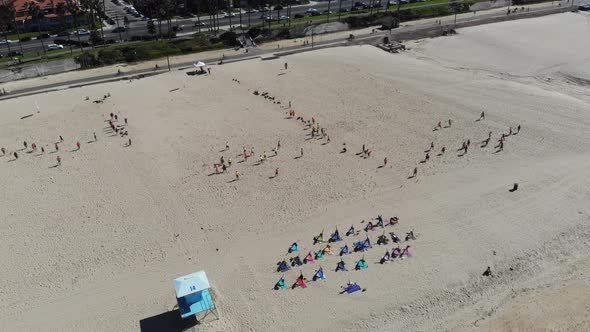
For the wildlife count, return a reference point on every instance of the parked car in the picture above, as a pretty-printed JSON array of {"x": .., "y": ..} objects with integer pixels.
[
  {"x": 52, "y": 47},
  {"x": 4, "y": 42},
  {"x": 584, "y": 8},
  {"x": 316, "y": 13},
  {"x": 343, "y": 10},
  {"x": 199, "y": 24},
  {"x": 226, "y": 15},
  {"x": 177, "y": 28},
  {"x": 284, "y": 17},
  {"x": 83, "y": 32},
  {"x": 251, "y": 11},
  {"x": 63, "y": 34},
  {"x": 311, "y": 10},
  {"x": 111, "y": 21},
  {"x": 326, "y": 12},
  {"x": 15, "y": 53},
  {"x": 119, "y": 29}
]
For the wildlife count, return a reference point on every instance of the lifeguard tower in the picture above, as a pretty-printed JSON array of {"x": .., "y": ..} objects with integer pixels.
[{"x": 194, "y": 296}]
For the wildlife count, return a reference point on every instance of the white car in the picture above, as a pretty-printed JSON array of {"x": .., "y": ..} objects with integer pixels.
[
  {"x": 83, "y": 32},
  {"x": 226, "y": 15},
  {"x": 51, "y": 47},
  {"x": 4, "y": 41},
  {"x": 311, "y": 10}
]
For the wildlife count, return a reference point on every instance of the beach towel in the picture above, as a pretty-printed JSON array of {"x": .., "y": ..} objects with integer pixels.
[
  {"x": 351, "y": 288},
  {"x": 335, "y": 237},
  {"x": 382, "y": 239},
  {"x": 319, "y": 238},
  {"x": 406, "y": 252},
  {"x": 281, "y": 284},
  {"x": 344, "y": 250},
  {"x": 319, "y": 275},
  {"x": 309, "y": 259},
  {"x": 301, "y": 283},
  {"x": 361, "y": 265},
  {"x": 341, "y": 266},
  {"x": 294, "y": 248},
  {"x": 319, "y": 255},
  {"x": 385, "y": 257},
  {"x": 369, "y": 227},
  {"x": 283, "y": 266},
  {"x": 350, "y": 231},
  {"x": 328, "y": 250},
  {"x": 396, "y": 252},
  {"x": 296, "y": 261}
]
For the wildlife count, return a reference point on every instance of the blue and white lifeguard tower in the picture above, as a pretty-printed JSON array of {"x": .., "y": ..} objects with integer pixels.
[{"x": 194, "y": 296}]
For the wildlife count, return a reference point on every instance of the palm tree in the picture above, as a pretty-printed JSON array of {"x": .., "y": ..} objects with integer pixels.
[
  {"x": 5, "y": 22},
  {"x": 328, "y": 17},
  {"x": 75, "y": 10},
  {"x": 36, "y": 14},
  {"x": 61, "y": 12},
  {"x": 278, "y": 8},
  {"x": 12, "y": 11}
]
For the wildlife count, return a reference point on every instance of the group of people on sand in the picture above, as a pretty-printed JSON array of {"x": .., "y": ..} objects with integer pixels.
[
  {"x": 359, "y": 245},
  {"x": 29, "y": 148},
  {"x": 467, "y": 143}
]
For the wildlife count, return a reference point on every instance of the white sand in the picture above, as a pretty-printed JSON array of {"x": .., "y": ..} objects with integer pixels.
[{"x": 94, "y": 244}]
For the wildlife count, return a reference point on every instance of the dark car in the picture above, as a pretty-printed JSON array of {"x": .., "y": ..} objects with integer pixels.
[
  {"x": 111, "y": 21},
  {"x": 119, "y": 29},
  {"x": 315, "y": 14},
  {"x": 177, "y": 28},
  {"x": 584, "y": 8},
  {"x": 63, "y": 34},
  {"x": 15, "y": 53}
]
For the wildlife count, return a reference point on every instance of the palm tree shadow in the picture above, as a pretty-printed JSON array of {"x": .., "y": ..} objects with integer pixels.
[
  {"x": 232, "y": 181},
  {"x": 11, "y": 160},
  {"x": 411, "y": 177},
  {"x": 55, "y": 151},
  {"x": 381, "y": 166}
]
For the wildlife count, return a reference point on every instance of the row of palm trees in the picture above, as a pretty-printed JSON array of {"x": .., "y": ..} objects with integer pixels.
[{"x": 74, "y": 8}]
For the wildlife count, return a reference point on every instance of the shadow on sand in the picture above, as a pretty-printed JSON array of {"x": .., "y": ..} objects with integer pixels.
[{"x": 169, "y": 321}]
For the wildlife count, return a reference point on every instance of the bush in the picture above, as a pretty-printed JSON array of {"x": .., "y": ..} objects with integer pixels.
[
  {"x": 110, "y": 56},
  {"x": 25, "y": 39},
  {"x": 87, "y": 60},
  {"x": 229, "y": 39},
  {"x": 60, "y": 41},
  {"x": 254, "y": 32},
  {"x": 43, "y": 36},
  {"x": 299, "y": 16}
]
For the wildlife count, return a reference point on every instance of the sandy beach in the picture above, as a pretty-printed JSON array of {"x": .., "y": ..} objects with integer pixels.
[{"x": 93, "y": 243}]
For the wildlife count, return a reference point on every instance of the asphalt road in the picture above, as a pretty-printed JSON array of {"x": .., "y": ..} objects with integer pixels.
[{"x": 139, "y": 28}]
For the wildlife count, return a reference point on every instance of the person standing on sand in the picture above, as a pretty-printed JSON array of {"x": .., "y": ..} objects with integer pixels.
[
  {"x": 482, "y": 116},
  {"x": 442, "y": 151},
  {"x": 3, "y": 151},
  {"x": 226, "y": 146},
  {"x": 116, "y": 117},
  {"x": 56, "y": 147},
  {"x": 279, "y": 144},
  {"x": 216, "y": 168},
  {"x": 58, "y": 160},
  {"x": 415, "y": 172},
  {"x": 61, "y": 139},
  {"x": 427, "y": 157},
  {"x": 286, "y": 66},
  {"x": 301, "y": 152},
  {"x": 328, "y": 139},
  {"x": 95, "y": 139},
  {"x": 450, "y": 123},
  {"x": 252, "y": 151},
  {"x": 237, "y": 175},
  {"x": 125, "y": 121},
  {"x": 42, "y": 150},
  {"x": 129, "y": 142},
  {"x": 276, "y": 172},
  {"x": 25, "y": 144},
  {"x": 78, "y": 144},
  {"x": 229, "y": 162},
  {"x": 15, "y": 155},
  {"x": 289, "y": 104},
  {"x": 385, "y": 162},
  {"x": 431, "y": 146},
  {"x": 517, "y": 130}
]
